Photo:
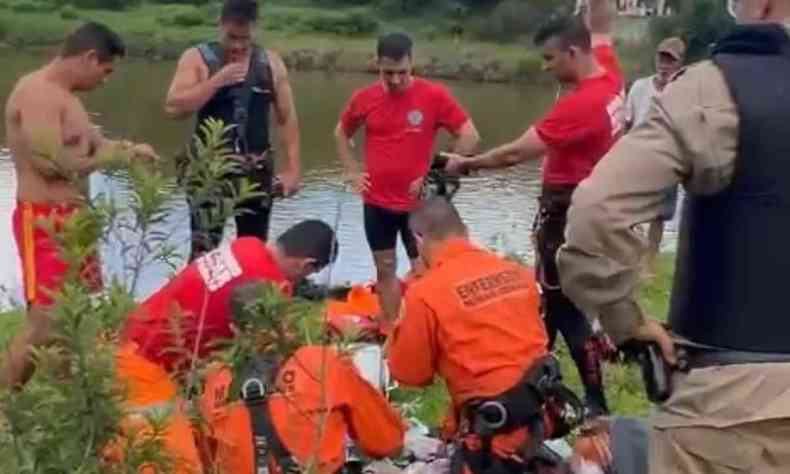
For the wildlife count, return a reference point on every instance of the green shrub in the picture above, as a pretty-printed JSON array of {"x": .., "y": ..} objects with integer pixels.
[
  {"x": 30, "y": 7},
  {"x": 512, "y": 19},
  {"x": 349, "y": 24},
  {"x": 184, "y": 17},
  {"x": 701, "y": 23},
  {"x": 529, "y": 66},
  {"x": 68, "y": 13},
  {"x": 277, "y": 21},
  {"x": 63, "y": 419},
  {"x": 4, "y": 5},
  {"x": 115, "y": 5},
  {"x": 189, "y": 19},
  {"x": 182, "y": 2},
  {"x": 211, "y": 11}
]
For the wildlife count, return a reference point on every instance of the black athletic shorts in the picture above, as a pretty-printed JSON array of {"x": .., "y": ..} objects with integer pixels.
[{"x": 382, "y": 227}]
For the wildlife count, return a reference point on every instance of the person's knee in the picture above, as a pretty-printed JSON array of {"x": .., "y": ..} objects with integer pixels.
[
  {"x": 39, "y": 326},
  {"x": 386, "y": 266}
]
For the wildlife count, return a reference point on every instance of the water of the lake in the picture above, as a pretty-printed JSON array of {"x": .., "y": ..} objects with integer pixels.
[{"x": 498, "y": 207}]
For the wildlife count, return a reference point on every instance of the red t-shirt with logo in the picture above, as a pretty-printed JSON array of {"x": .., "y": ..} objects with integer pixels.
[
  {"x": 399, "y": 136},
  {"x": 196, "y": 303},
  {"x": 584, "y": 124}
]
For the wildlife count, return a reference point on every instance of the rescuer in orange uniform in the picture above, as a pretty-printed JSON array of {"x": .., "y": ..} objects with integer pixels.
[
  {"x": 190, "y": 316},
  {"x": 319, "y": 400},
  {"x": 472, "y": 319}
]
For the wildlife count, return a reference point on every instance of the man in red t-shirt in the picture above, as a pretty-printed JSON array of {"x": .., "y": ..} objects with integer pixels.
[
  {"x": 573, "y": 136},
  {"x": 401, "y": 115}
]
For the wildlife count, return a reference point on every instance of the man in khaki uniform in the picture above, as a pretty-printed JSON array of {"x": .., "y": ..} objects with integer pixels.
[{"x": 721, "y": 129}]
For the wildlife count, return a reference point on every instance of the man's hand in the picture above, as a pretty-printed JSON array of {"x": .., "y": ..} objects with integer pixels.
[
  {"x": 416, "y": 186},
  {"x": 598, "y": 18},
  {"x": 358, "y": 180},
  {"x": 291, "y": 181},
  {"x": 456, "y": 164},
  {"x": 653, "y": 331},
  {"x": 143, "y": 151},
  {"x": 230, "y": 74}
]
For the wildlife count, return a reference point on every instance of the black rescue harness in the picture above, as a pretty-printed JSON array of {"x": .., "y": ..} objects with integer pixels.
[
  {"x": 246, "y": 105},
  {"x": 539, "y": 397}
]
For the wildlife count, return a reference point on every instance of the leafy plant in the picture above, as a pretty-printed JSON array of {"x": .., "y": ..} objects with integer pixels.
[
  {"x": 348, "y": 24},
  {"x": 700, "y": 23},
  {"x": 186, "y": 18},
  {"x": 68, "y": 12},
  {"x": 117, "y": 5},
  {"x": 30, "y": 7},
  {"x": 71, "y": 416}
]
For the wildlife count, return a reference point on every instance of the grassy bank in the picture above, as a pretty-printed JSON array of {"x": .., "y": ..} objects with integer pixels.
[{"x": 308, "y": 37}]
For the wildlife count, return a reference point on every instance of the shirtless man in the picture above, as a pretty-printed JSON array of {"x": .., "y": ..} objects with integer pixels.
[{"x": 55, "y": 147}]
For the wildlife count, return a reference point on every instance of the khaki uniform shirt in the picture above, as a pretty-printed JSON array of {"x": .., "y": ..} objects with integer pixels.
[{"x": 689, "y": 136}]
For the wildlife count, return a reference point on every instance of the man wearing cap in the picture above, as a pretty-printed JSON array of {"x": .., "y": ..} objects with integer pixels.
[{"x": 670, "y": 55}]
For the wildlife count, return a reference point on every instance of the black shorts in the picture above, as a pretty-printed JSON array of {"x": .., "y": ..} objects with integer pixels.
[{"x": 382, "y": 227}]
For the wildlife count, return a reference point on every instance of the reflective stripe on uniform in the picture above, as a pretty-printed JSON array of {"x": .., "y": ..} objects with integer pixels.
[{"x": 29, "y": 250}]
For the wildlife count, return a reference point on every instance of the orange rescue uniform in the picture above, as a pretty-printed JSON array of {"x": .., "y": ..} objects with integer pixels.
[
  {"x": 473, "y": 319},
  {"x": 320, "y": 400}
]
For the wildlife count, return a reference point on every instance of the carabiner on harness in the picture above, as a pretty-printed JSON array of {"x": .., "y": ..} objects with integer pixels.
[
  {"x": 253, "y": 390},
  {"x": 490, "y": 416}
]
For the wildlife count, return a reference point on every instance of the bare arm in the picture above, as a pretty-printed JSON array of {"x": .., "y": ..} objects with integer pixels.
[
  {"x": 287, "y": 119},
  {"x": 598, "y": 18},
  {"x": 467, "y": 139},
  {"x": 528, "y": 146},
  {"x": 344, "y": 153},
  {"x": 41, "y": 125},
  {"x": 191, "y": 87}
]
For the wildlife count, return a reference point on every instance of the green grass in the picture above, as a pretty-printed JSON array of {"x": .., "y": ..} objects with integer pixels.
[{"x": 9, "y": 324}]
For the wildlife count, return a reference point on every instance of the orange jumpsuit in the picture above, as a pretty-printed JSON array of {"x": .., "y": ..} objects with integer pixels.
[
  {"x": 474, "y": 320},
  {"x": 311, "y": 417}
]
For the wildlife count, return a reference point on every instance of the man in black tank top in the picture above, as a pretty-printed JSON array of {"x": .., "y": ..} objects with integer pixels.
[{"x": 238, "y": 82}]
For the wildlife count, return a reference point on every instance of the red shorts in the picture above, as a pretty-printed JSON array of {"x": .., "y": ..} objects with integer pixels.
[{"x": 43, "y": 267}]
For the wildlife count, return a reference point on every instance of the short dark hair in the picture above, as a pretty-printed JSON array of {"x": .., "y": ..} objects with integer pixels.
[
  {"x": 94, "y": 36},
  {"x": 437, "y": 219},
  {"x": 240, "y": 11},
  {"x": 310, "y": 239},
  {"x": 571, "y": 31},
  {"x": 394, "y": 46}
]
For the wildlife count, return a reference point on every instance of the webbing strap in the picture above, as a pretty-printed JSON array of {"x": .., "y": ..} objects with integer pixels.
[
  {"x": 212, "y": 56},
  {"x": 255, "y": 392},
  {"x": 259, "y": 73}
]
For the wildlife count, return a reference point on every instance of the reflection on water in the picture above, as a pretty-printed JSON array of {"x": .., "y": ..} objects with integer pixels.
[
  {"x": 10, "y": 271},
  {"x": 498, "y": 207},
  {"x": 495, "y": 209}
]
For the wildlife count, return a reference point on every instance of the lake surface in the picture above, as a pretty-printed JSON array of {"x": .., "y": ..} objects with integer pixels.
[{"x": 498, "y": 207}]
